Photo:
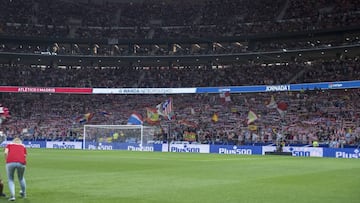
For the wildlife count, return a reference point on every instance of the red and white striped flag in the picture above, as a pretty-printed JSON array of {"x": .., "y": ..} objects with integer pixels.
[{"x": 165, "y": 108}]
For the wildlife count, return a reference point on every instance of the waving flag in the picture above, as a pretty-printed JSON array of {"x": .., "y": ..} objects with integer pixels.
[
  {"x": 251, "y": 117},
  {"x": 188, "y": 123},
  {"x": 105, "y": 113},
  {"x": 192, "y": 111},
  {"x": 252, "y": 127},
  {"x": 272, "y": 104},
  {"x": 282, "y": 108},
  {"x": 4, "y": 113},
  {"x": 85, "y": 118},
  {"x": 165, "y": 108},
  {"x": 135, "y": 119},
  {"x": 215, "y": 117},
  {"x": 225, "y": 97},
  {"x": 189, "y": 136},
  {"x": 152, "y": 116}
]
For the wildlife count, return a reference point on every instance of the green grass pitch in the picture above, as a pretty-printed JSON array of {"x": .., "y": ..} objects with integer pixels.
[{"x": 66, "y": 176}]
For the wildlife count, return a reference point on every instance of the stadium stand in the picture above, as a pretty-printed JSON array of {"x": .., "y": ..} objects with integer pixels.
[{"x": 205, "y": 43}]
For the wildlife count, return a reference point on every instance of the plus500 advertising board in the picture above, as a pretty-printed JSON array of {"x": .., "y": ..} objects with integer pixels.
[
  {"x": 226, "y": 149},
  {"x": 28, "y": 144},
  {"x": 297, "y": 151},
  {"x": 346, "y": 153},
  {"x": 64, "y": 145},
  {"x": 353, "y": 153},
  {"x": 118, "y": 146},
  {"x": 189, "y": 148}
]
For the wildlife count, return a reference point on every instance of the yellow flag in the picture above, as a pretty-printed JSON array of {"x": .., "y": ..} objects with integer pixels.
[{"x": 215, "y": 117}]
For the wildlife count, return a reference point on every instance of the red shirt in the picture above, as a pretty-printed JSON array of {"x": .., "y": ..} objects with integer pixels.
[{"x": 16, "y": 153}]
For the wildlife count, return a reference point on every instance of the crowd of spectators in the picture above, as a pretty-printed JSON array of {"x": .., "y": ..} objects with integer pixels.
[
  {"x": 173, "y": 19},
  {"x": 176, "y": 49},
  {"x": 329, "y": 116},
  {"x": 204, "y": 20},
  {"x": 188, "y": 76}
]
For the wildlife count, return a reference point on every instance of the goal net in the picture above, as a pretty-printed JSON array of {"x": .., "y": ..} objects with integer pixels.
[
  {"x": 3, "y": 141},
  {"x": 121, "y": 137}
]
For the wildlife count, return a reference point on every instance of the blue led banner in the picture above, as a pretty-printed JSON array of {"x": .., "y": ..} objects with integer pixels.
[{"x": 285, "y": 87}]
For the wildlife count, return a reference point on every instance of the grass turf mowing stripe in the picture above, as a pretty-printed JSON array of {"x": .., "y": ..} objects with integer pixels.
[{"x": 123, "y": 176}]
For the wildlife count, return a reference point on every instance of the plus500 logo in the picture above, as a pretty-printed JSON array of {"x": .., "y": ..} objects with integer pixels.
[
  {"x": 234, "y": 151},
  {"x": 100, "y": 147},
  {"x": 64, "y": 146},
  {"x": 185, "y": 149},
  {"x": 300, "y": 153},
  {"x": 355, "y": 155},
  {"x": 33, "y": 145},
  {"x": 147, "y": 148}
]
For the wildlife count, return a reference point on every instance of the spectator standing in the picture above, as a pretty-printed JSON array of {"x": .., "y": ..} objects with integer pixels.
[
  {"x": 15, "y": 155},
  {"x": 315, "y": 143}
]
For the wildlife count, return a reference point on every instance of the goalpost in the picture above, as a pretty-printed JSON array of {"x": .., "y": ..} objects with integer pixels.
[
  {"x": 2, "y": 139},
  {"x": 122, "y": 137}
]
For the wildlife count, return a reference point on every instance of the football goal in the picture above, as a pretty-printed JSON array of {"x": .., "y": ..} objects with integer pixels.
[
  {"x": 122, "y": 137},
  {"x": 2, "y": 139}
]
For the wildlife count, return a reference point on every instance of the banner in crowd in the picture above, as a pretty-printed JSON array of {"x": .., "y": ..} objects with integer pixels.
[
  {"x": 199, "y": 90},
  {"x": 144, "y": 90},
  {"x": 189, "y": 136},
  {"x": 283, "y": 87},
  {"x": 64, "y": 90}
]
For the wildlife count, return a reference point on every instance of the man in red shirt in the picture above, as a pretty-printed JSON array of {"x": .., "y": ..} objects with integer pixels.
[{"x": 15, "y": 154}]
